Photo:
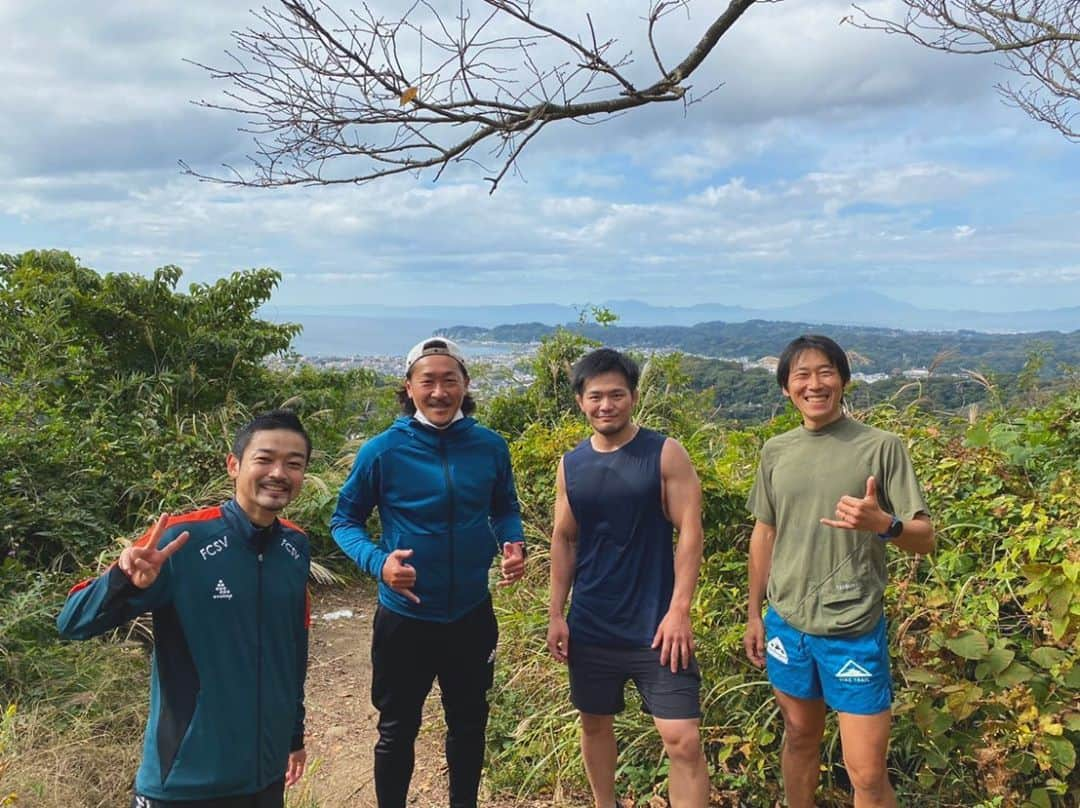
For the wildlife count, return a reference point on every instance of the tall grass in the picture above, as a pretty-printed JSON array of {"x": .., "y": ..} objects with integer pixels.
[{"x": 73, "y": 713}]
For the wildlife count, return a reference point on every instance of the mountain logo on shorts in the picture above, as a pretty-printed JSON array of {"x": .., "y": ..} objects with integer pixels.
[
  {"x": 777, "y": 650},
  {"x": 853, "y": 671}
]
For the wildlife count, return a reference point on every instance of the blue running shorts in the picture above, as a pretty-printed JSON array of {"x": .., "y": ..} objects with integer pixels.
[{"x": 850, "y": 673}]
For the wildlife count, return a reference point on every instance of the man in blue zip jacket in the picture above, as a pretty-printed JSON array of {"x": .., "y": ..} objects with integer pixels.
[
  {"x": 447, "y": 505},
  {"x": 227, "y": 587}
]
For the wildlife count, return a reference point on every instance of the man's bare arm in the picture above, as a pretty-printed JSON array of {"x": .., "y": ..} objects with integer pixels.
[
  {"x": 761, "y": 547},
  {"x": 865, "y": 513},
  {"x": 563, "y": 560},
  {"x": 682, "y": 504},
  {"x": 917, "y": 536}
]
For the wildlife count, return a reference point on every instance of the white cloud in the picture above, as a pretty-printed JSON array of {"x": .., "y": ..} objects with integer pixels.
[
  {"x": 1053, "y": 277},
  {"x": 830, "y": 155},
  {"x": 733, "y": 192},
  {"x": 899, "y": 185}
]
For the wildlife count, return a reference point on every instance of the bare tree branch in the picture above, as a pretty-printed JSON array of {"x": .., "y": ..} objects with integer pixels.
[
  {"x": 1040, "y": 40},
  {"x": 347, "y": 97}
]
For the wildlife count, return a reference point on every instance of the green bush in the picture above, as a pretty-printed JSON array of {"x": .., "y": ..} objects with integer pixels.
[
  {"x": 984, "y": 633},
  {"x": 119, "y": 397}
]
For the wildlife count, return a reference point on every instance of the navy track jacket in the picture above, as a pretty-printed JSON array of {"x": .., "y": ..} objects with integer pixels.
[
  {"x": 447, "y": 494},
  {"x": 231, "y": 620}
]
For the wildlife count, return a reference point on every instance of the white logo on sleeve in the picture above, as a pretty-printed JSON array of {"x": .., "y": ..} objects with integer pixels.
[
  {"x": 221, "y": 592},
  {"x": 853, "y": 672},
  {"x": 776, "y": 650}
]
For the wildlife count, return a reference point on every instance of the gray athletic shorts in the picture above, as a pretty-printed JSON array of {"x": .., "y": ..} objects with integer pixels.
[{"x": 599, "y": 674}]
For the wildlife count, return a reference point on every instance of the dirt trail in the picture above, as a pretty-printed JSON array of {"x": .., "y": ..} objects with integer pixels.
[
  {"x": 340, "y": 718},
  {"x": 341, "y": 723}
]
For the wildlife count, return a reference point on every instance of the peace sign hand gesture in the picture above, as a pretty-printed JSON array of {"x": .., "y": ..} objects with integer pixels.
[{"x": 142, "y": 563}]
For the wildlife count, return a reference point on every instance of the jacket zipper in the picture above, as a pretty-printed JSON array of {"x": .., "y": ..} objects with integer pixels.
[
  {"x": 258, "y": 674},
  {"x": 450, "y": 502}
]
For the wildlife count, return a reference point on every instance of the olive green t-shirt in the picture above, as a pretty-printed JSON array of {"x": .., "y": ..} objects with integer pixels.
[{"x": 825, "y": 580}]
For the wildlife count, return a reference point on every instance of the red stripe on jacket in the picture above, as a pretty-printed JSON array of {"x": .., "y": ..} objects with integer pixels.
[{"x": 201, "y": 515}]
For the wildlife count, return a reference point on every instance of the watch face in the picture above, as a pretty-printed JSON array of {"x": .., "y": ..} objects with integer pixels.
[{"x": 895, "y": 529}]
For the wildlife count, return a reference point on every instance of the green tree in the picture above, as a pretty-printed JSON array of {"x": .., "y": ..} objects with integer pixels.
[
  {"x": 549, "y": 397},
  {"x": 65, "y": 322},
  {"x": 118, "y": 395}
]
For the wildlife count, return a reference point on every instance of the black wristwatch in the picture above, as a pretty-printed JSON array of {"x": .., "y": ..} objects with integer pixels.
[{"x": 895, "y": 528}]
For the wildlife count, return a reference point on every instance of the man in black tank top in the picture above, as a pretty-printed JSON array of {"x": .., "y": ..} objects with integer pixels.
[{"x": 621, "y": 495}]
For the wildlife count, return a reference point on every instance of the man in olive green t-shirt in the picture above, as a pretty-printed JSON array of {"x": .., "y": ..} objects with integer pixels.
[{"x": 828, "y": 497}]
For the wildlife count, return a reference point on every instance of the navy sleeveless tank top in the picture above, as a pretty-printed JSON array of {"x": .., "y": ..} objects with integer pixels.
[{"x": 625, "y": 571}]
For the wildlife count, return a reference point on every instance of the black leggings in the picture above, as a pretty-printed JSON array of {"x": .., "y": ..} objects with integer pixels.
[
  {"x": 406, "y": 656},
  {"x": 273, "y": 796}
]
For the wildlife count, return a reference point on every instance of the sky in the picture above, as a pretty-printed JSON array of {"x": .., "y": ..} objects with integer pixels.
[{"x": 828, "y": 158}]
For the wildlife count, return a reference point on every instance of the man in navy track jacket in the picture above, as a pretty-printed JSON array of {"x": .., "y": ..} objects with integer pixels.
[
  {"x": 227, "y": 587},
  {"x": 447, "y": 506}
]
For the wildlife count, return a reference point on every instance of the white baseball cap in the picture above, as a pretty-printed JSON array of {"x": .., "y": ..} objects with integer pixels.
[{"x": 434, "y": 346}]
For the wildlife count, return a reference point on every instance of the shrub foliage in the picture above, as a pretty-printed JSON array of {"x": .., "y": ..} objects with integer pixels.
[
  {"x": 984, "y": 633},
  {"x": 118, "y": 398}
]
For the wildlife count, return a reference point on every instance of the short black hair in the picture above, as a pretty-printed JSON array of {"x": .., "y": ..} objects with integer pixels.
[
  {"x": 604, "y": 360},
  {"x": 274, "y": 419},
  {"x": 812, "y": 342},
  {"x": 468, "y": 404}
]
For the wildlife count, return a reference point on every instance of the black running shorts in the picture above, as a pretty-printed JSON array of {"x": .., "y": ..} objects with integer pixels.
[{"x": 598, "y": 676}]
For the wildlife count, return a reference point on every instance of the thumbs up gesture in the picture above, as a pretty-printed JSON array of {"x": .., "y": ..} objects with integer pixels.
[
  {"x": 143, "y": 561},
  {"x": 860, "y": 513}
]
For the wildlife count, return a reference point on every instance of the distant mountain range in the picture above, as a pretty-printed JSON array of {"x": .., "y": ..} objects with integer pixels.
[
  {"x": 858, "y": 307},
  {"x": 872, "y": 350}
]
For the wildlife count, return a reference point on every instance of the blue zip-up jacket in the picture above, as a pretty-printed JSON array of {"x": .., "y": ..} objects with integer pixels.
[
  {"x": 447, "y": 494},
  {"x": 231, "y": 619}
]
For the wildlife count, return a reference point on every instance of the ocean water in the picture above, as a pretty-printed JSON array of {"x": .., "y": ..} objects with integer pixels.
[{"x": 330, "y": 335}]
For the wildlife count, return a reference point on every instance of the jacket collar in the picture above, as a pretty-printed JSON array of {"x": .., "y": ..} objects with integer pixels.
[
  {"x": 419, "y": 416},
  {"x": 240, "y": 523},
  {"x": 429, "y": 434}
]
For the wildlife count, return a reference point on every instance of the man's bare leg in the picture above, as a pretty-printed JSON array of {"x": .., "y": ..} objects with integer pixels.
[
  {"x": 599, "y": 753},
  {"x": 800, "y": 755},
  {"x": 865, "y": 739},
  {"x": 688, "y": 782}
]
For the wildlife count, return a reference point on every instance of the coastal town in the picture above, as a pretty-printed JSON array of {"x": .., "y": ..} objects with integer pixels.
[{"x": 500, "y": 366}]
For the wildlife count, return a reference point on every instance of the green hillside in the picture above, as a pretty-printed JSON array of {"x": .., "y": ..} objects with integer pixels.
[
  {"x": 118, "y": 396},
  {"x": 874, "y": 350}
]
